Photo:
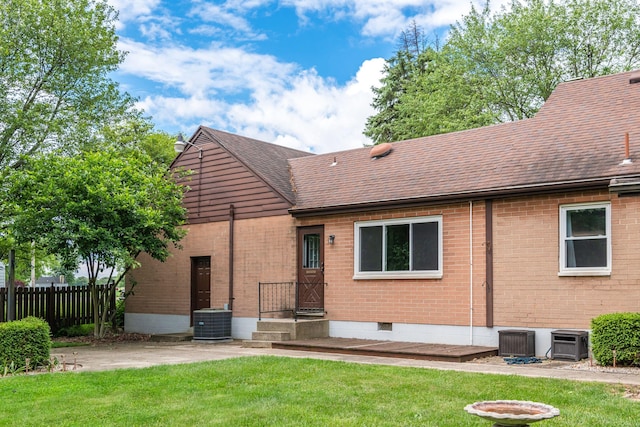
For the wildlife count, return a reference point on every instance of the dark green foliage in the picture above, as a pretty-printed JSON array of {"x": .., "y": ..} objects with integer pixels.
[
  {"x": 76, "y": 331},
  {"x": 500, "y": 65},
  {"x": 118, "y": 322},
  {"x": 619, "y": 332},
  {"x": 57, "y": 58},
  {"x": 24, "y": 339},
  {"x": 397, "y": 247},
  {"x": 103, "y": 208}
]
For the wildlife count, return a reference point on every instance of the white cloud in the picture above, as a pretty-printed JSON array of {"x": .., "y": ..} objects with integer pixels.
[
  {"x": 377, "y": 18},
  {"x": 287, "y": 106},
  {"x": 384, "y": 18},
  {"x": 234, "y": 89},
  {"x": 279, "y": 102},
  {"x": 131, "y": 10},
  {"x": 215, "y": 13},
  {"x": 202, "y": 72},
  {"x": 313, "y": 113},
  {"x": 156, "y": 30},
  {"x": 228, "y": 17},
  {"x": 184, "y": 113}
]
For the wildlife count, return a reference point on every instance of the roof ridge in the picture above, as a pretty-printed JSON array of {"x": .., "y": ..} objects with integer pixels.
[
  {"x": 258, "y": 141},
  {"x": 267, "y": 161}
]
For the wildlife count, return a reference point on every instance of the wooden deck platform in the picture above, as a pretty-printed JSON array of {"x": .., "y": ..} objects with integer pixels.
[{"x": 406, "y": 350}]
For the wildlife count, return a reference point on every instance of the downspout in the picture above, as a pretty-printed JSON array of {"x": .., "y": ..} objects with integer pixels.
[
  {"x": 470, "y": 272},
  {"x": 199, "y": 180},
  {"x": 231, "y": 219},
  {"x": 489, "y": 262}
]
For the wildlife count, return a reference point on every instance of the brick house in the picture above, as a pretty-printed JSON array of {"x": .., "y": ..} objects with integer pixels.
[
  {"x": 238, "y": 202},
  {"x": 445, "y": 239}
]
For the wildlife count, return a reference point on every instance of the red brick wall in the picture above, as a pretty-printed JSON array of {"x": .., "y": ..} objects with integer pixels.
[
  {"x": 528, "y": 290},
  {"x": 264, "y": 250},
  {"x": 443, "y": 301}
]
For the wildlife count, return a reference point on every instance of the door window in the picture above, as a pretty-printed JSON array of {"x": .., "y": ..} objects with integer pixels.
[{"x": 311, "y": 251}]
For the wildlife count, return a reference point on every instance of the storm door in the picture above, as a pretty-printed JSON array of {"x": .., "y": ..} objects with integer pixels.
[
  {"x": 311, "y": 269},
  {"x": 200, "y": 283}
]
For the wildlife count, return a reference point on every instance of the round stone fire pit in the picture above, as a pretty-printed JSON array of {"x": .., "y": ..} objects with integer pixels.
[{"x": 512, "y": 412}]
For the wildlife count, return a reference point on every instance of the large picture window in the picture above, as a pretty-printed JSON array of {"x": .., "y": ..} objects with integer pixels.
[
  {"x": 405, "y": 248},
  {"x": 585, "y": 239}
]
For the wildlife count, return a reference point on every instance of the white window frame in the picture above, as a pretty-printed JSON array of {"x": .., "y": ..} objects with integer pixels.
[
  {"x": 430, "y": 274},
  {"x": 584, "y": 271}
]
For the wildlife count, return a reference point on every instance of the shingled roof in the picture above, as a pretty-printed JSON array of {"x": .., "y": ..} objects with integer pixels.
[{"x": 577, "y": 140}]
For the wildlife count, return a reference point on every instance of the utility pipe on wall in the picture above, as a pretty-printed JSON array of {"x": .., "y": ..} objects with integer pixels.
[
  {"x": 232, "y": 214},
  {"x": 470, "y": 272},
  {"x": 489, "y": 262}
]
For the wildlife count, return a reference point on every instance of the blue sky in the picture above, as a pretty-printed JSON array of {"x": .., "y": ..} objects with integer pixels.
[{"x": 294, "y": 72}]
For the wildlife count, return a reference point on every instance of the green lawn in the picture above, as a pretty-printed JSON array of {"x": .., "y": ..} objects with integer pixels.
[{"x": 273, "y": 391}]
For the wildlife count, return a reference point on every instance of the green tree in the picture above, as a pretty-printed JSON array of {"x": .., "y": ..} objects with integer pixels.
[
  {"x": 24, "y": 253},
  {"x": 498, "y": 67},
  {"x": 436, "y": 100},
  {"x": 69, "y": 274},
  {"x": 411, "y": 60},
  {"x": 55, "y": 92},
  {"x": 138, "y": 131},
  {"x": 102, "y": 208},
  {"x": 159, "y": 145},
  {"x": 81, "y": 281},
  {"x": 56, "y": 57}
]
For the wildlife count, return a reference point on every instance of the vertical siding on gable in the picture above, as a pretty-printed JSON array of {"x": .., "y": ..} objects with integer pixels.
[{"x": 219, "y": 180}]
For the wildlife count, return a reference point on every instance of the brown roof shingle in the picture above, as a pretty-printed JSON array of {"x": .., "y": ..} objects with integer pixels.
[{"x": 576, "y": 139}]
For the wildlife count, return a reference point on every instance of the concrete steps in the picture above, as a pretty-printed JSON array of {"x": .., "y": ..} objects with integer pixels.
[
  {"x": 279, "y": 330},
  {"x": 257, "y": 344},
  {"x": 271, "y": 336},
  {"x": 178, "y": 337}
]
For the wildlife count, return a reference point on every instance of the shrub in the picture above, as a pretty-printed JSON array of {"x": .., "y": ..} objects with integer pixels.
[
  {"x": 24, "y": 339},
  {"x": 619, "y": 334},
  {"x": 76, "y": 331},
  {"x": 118, "y": 321}
]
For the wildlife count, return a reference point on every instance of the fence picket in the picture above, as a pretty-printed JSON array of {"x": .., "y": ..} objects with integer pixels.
[{"x": 59, "y": 306}]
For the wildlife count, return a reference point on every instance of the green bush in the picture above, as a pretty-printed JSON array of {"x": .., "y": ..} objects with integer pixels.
[
  {"x": 24, "y": 339},
  {"x": 76, "y": 331},
  {"x": 118, "y": 322},
  {"x": 619, "y": 334}
]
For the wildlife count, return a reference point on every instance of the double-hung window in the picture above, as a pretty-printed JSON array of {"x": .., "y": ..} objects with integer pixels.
[
  {"x": 585, "y": 239},
  {"x": 402, "y": 248}
]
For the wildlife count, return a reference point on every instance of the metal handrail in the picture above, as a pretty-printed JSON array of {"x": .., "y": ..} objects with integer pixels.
[
  {"x": 276, "y": 297},
  {"x": 282, "y": 297}
]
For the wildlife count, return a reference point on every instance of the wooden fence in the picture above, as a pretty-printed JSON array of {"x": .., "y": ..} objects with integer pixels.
[{"x": 60, "y": 306}]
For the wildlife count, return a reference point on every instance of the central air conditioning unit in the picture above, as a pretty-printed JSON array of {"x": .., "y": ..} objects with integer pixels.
[
  {"x": 212, "y": 324},
  {"x": 517, "y": 342}
]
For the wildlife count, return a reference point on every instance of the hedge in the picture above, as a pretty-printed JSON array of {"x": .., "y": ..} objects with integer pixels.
[
  {"x": 615, "y": 338},
  {"x": 28, "y": 338}
]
